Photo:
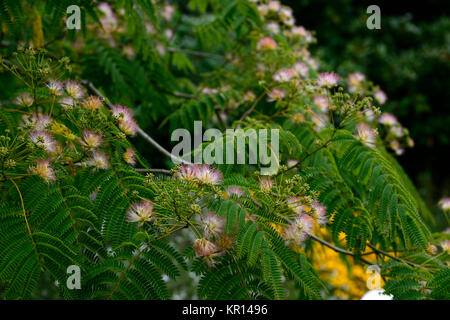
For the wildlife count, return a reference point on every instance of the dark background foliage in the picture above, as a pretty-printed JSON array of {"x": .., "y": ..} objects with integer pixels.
[{"x": 409, "y": 57}]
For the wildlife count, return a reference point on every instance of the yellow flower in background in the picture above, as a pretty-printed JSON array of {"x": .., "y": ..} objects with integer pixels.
[{"x": 347, "y": 279}]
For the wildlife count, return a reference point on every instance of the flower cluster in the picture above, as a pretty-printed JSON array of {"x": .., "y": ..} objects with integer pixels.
[
  {"x": 201, "y": 173},
  {"x": 396, "y": 136},
  {"x": 141, "y": 212},
  {"x": 307, "y": 214}
]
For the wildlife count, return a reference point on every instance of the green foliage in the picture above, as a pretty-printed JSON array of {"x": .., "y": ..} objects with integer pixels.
[{"x": 80, "y": 186}]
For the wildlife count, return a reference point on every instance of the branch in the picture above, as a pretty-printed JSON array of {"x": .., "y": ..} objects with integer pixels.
[
  {"x": 143, "y": 170},
  {"x": 412, "y": 264},
  {"x": 139, "y": 130},
  {"x": 334, "y": 248},
  {"x": 195, "y": 53}
]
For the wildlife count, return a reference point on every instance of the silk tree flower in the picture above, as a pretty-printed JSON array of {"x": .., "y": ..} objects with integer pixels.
[
  {"x": 395, "y": 145},
  {"x": 298, "y": 231},
  {"x": 43, "y": 121},
  {"x": 410, "y": 142},
  {"x": 286, "y": 15},
  {"x": 301, "y": 69},
  {"x": 92, "y": 103},
  {"x": 300, "y": 32},
  {"x": 319, "y": 121},
  {"x": 167, "y": 12},
  {"x": 275, "y": 95},
  {"x": 43, "y": 140},
  {"x": 369, "y": 115},
  {"x": 266, "y": 184},
  {"x": 66, "y": 102},
  {"x": 55, "y": 87},
  {"x": 284, "y": 75},
  {"x": 387, "y": 119},
  {"x": 274, "y": 6},
  {"x": 296, "y": 204},
  {"x": 125, "y": 118},
  {"x": 445, "y": 245},
  {"x": 397, "y": 131},
  {"x": 327, "y": 79},
  {"x": 444, "y": 204},
  {"x": 74, "y": 89},
  {"x": 204, "y": 248},
  {"x": 267, "y": 43},
  {"x": 213, "y": 225},
  {"x": 24, "y": 100},
  {"x": 319, "y": 213},
  {"x": 99, "y": 160},
  {"x": 298, "y": 117},
  {"x": 355, "y": 79},
  {"x": 235, "y": 191},
  {"x": 129, "y": 157},
  {"x": 321, "y": 102},
  {"x": 92, "y": 139},
  {"x": 38, "y": 122},
  {"x": 366, "y": 135},
  {"x": 263, "y": 9},
  {"x": 141, "y": 212},
  {"x": 187, "y": 172},
  {"x": 249, "y": 96},
  {"x": 209, "y": 175},
  {"x": 129, "y": 127},
  {"x": 273, "y": 27},
  {"x": 380, "y": 96},
  {"x": 44, "y": 170}
]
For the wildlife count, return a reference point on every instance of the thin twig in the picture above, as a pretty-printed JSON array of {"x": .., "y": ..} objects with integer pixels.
[
  {"x": 195, "y": 53},
  {"x": 143, "y": 170},
  {"x": 340, "y": 250}
]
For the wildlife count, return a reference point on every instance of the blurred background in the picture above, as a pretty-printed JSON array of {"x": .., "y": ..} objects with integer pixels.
[{"x": 409, "y": 58}]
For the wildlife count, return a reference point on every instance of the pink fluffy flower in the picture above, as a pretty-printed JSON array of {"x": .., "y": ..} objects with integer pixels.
[
  {"x": 396, "y": 147},
  {"x": 99, "y": 160},
  {"x": 92, "y": 139},
  {"x": 319, "y": 213},
  {"x": 140, "y": 212},
  {"x": 43, "y": 140},
  {"x": 66, "y": 102},
  {"x": 284, "y": 75},
  {"x": 387, "y": 119},
  {"x": 366, "y": 135},
  {"x": 55, "y": 87},
  {"x": 187, "y": 172},
  {"x": 267, "y": 43},
  {"x": 321, "y": 102},
  {"x": 301, "y": 69},
  {"x": 129, "y": 157},
  {"x": 355, "y": 79},
  {"x": 380, "y": 96},
  {"x": 444, "y": 204},
  {"x": 266, "y": 184},
  {"x": 445, "y": 245},
  {"x": 235, "y": 191},
  {"x": 43, "y": 170},
  {"x": 275, "y": 95},
  {"x": 125, "y": 118},
  {"x": 327, "y": 79},
  {"x": 74, "y": 89},
  {"x": 24, "y": 100},
  {"x": 209, "y": 175},
  {"x": 298, "y": 231},
  {"x": 204, "y": 248},
  {"x": 213, "y": 225},
  {"x": 92, "y": 103}
]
